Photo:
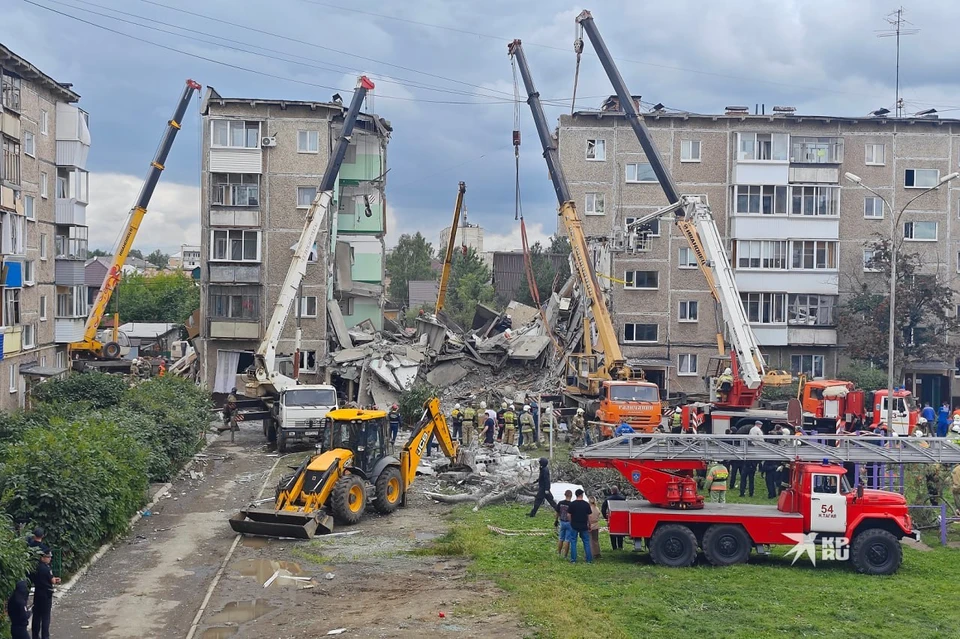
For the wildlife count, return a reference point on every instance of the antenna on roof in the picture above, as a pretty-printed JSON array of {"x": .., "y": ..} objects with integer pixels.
[{"x": 897, "y": 22}]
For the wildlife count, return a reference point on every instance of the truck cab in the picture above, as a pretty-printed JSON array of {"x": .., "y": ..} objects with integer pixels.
[
  {"x": 905, "y": 411},
  {"x": 634, "y": 402},
  {"x": 827, "y": 400},
  {"x": 301, "y": 413}
]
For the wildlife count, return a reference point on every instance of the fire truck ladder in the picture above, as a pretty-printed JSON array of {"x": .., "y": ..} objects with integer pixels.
[{"x": 849, "y": 449}]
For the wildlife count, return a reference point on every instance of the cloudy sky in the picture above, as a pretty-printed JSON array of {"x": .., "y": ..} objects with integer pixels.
[{"x": 444, "y": 80}]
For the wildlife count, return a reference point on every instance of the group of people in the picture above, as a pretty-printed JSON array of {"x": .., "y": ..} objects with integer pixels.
[
  {"x": 43, "y": 579},
  {"x": 512, "y": 424},
  {"x": 946, "y": 423}
]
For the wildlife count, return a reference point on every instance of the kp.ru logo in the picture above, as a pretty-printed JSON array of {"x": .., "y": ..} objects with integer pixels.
[{"x": 831, "y": 548}]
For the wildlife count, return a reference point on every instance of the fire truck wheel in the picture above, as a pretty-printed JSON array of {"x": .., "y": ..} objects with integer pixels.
[
  {"x": 726, "y": 545},
  {"x": 876, "y": 552},
  {"x": 674, "y": 546}
]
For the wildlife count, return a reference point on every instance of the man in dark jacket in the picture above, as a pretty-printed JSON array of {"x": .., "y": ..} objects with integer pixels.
[
  {"x": 43, "y": 583},
  {"x": 616, "y": 541},
  {"x": 17, "y": 610},
  {"x": 35, "y": 540},
  {"x": 543, "y": 489}
]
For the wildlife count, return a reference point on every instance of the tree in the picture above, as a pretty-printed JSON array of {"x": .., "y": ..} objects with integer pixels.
[
  {"x": 410, "y": 261},
  {"x": 469, "y": 285},
  {"x": 99, "y": 253},
  {"x": 137, "y": 253},
  {"x": 165, "y": 297},
  {"x": 924, "y": 312},
  {"x": 545, "y": 273},
  {"x": 158, "y": 258}
]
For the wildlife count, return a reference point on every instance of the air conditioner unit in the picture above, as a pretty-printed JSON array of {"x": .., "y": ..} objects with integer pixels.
[{"x": 268, "y": 141}]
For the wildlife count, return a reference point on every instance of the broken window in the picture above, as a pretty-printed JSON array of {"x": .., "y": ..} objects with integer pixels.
[
  {"x": 596, "y": 150},
  {"x": 634, "y": 332},
  {"x": 921, "y": 178},
  {"x": 235, "y": 302},
  {"x": 308, "y": 361},
  {"x": 640, "y": 172},
  {"x": 641, "y": 279}
]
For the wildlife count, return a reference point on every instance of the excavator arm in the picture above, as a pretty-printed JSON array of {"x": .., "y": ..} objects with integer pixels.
[
  {"x": 432, "y": 423},
  {"x": 451, "y": 246}
]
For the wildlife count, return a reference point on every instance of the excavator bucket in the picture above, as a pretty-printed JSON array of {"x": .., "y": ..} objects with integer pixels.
[{"x": 277, "y": 523}]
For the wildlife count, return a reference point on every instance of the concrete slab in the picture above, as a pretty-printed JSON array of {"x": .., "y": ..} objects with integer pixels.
[
  {"x": 349, "y": 355},
  {"x": 528, "y": 347},
  {"x": 446, "y": 374},
  {"x": 434, "y": 332},
  {"x": 382, "y": 396},
  {"x": 520, "y": 313},
  {"x": 335, "y": 318}
]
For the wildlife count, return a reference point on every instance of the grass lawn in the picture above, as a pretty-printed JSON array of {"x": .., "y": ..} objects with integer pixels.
[{"x": 624, "y": 595}]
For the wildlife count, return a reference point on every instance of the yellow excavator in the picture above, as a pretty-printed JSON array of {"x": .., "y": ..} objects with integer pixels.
[{"x": 353, "y": 468}]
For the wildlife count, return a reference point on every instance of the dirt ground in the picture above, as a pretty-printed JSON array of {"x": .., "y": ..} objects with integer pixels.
[{"x": 152, "y": 583}]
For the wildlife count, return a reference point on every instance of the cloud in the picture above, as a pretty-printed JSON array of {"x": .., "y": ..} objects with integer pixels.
[
  {"x": 512, "y": 241},
  {"x": 172, "y": 219}
]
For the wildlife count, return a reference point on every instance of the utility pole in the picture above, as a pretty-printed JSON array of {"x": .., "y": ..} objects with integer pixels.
[{"x": 897, "y": 22}]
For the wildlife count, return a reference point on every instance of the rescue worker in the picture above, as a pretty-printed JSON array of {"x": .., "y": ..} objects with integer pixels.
[
  {"x": 543, "y": 489},
  {"x": 135, "y": 368},
  {"x": 535, "y": 411},
  {"x": 230, "y": 411},
  {"x": 543, "y": 431},
  {"x": 676, "y": 422},
  {"x": 526, "y": 427},
  {"x": 716, "y": 482},
  {"x": 623, "y": 429},
  {"x": 162, "y": 367},
  {"x": 456, "y": 416},
  {"x": 509, "y": 425},
  {"x": 469, "y": 425},
  {"x": 489, "y": 430},
  {"x": 954, "y": 434},
  {"x": 725, "y": 384},
  {"x": 393, "y": 417},
  {"x": 579, "y": 429},
  {"x": 501, "y": 423},
  {"x": 43, "y": 583}
]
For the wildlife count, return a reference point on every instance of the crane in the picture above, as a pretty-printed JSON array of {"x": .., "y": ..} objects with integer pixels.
[
  {"x": 451, "y": 243},
  {"x": 695, "y": 221},
  {"x": 90, "y": 346},
  {"x": 622, "y": 398}
]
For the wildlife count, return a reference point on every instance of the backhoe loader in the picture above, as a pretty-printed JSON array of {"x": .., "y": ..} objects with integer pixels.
[{"x": 353, "y": 468}]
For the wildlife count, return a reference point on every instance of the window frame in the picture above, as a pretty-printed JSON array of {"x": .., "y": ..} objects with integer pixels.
[
  {"x": 913, "y": 230},
  {"x": 765, "y": 194},
  {"x": 755, "y": 146},
  {"x": 597, "y": 195},
  {"x": 222, "y": 299},
  {"x": 866, "y": 260},
  {"x": 44, "y": 188},
  {"x": 636, "y": 173},
  {"x": 14, "y": 384},
  {"x": 831, "y": 146},
  {"x": 874, "y": 199},
  {"x": 602, "y": 146},
  {"x": 688, "y": 264},
  {"x": 690, "y": 358},
  {"x": 305, "y": 357},
  {"x": 629, "y": 281},
  {"x": 815, "y": 199},
  {"x": 870, "y": 149},
  {"x": 813, "y": 358},
  {"x": 306, "y": 206},
  {"x": 772, "y": 305},
  {"x": 824, "y": 306},
  {"x": 29, "y": 272},
  {"x": 685, "y": 307},
  {"x": 634, "y": 325},
  {"x": 653, "y": 227},
  {"x": 31, "y": 148},
  {"x": 42, "y": 308},
  {"x": 814, "y": 254},
  {"x": 305, "y": 307},
  {"x": 31, "y": 330},
  {"x": 30, "y": 212},
  {"x": 228, "y": 244},
  {"x": 12, "y": 305},
  {"x": 230, "y": 130},
  {"x": 44, "y": 122},
  {"x": 306, "y": 133},
  {"x": 689, "y": 143},
  {"x": 43, "y": 247},
  {"x": 222, "y": 184},
  {"x": 914, "y": 172}
]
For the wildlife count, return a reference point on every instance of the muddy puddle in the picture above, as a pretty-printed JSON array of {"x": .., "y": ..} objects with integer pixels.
[
  {"x": 284, "y": 574},
  {"x": 240, "y": 612},
  {"x": 254, "y": 542},
  {"x": 218, "y": 633}
]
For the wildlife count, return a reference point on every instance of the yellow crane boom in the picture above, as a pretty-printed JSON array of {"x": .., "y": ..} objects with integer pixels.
[{"x": 451, "y": 245}]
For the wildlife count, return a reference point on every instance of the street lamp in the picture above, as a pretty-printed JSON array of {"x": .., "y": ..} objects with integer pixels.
[{"x": 894, "y": 222}]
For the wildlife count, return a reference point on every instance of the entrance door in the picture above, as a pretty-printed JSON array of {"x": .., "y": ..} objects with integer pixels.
[{"x": 828, "y": 508}]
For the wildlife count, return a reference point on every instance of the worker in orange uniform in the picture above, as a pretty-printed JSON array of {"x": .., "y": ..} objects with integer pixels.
[{"x": 716, "y": 482}]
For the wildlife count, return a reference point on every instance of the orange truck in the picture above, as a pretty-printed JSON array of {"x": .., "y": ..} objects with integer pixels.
[
  {"x": 635, "y": 402},
  {"x": 829, "y": 401}
]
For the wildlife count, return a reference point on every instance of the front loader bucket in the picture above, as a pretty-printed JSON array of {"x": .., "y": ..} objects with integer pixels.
[{"x": 274, "y": 523}]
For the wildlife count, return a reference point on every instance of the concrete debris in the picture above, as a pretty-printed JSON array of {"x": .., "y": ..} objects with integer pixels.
[{"x": 446, "y": 374}]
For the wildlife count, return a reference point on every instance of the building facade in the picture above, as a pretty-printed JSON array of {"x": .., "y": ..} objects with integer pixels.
[
  {"x": 262, "y": 163},
  {"x": 468, "y": 235},
  {"x": 43, "y": 234},
  {"x": 187, "y": 258},
  {"x": 796, "y": 230}
]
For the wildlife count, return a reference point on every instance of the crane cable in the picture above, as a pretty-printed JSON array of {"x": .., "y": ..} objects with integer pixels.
[{"x": 578, "y": 49}]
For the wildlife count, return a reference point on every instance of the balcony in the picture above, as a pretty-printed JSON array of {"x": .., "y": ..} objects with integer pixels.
[
  {"x": 231, "y": 329},
  {"x": 72, "y": 246},
  {"x": 234, "y": 274},
  {"x": 71, "y": 212},
  {"x": 69, "y": 272},
  {"x": 72, "y": 136},
  {"x": 68, "y": 330}
]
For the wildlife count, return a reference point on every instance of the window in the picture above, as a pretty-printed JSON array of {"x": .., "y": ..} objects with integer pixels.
[
  {"x": 29, "y": 143},
  {"x": 687, "y": 364},
  {"x": 593, "y": 204},
  {"x": 633, "y": 332},
  {"x": 826, "y": 484},
  {"x": 689, "y": 311},
  {"x": 235, "y": 245},
  {"x": 308, "y": 141},
  {"x": 815, "y": 200},
  {"x": 11, "y": 306},
  {"x": 809, "y": 365},
  {"x": 29, "y": 207},
  {"x": 810, "y": 310},
  {"x": 597, "y": 150},
  {"x": 12, "y": 231},
  {"x": 872, "y": 208},
  {"x": 767, "y": 254},
  {"x": 689, "y": 150},
  {"x": 808, "y": 150},
  {"x": 346, "y": 306},
  {"x": 43, "y": 308},
  {"x": 44, "y": 179},
  {"x": 10, "y": 86},
  {"x": 869, "y": 266},
  {"x": 44, "y": 122},
  {"x": 73, "y": 245},
  {"x": 14, "y": 374},
  {"x": 874, "y": 155},
  {"x": 686, "y": 258},
  {"x": 814, "y": 255},
  {"x": 43, "y": 246},
  {"x": 920, "y": 231},
  {"x": 770, "y": 147},
  {"x": 760, "y": 200},
  {"x": 305, "y": 196},
  {"x": 235, "y": 302},
  {"x": 72, "y": 301},
  {"x": 641, "y": 279},
  {"x": 236, "y": 189},
  {"x": 765, "y": 308},
  {"x": 308, "y": 306},
  {"x": 640, "y": 172},
  {"x": 29, "y": 336},
  {"x": 308, "y": 361},
  {"x": 28, "y": 273},
  {"x": 236, "y": 134},
  {"x": 10, "y": 164},
  {"x": 61, "y": 359},
  {"x": 921, "y": 178}
]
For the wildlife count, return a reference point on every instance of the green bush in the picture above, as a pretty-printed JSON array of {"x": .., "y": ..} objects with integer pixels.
[
  {"x": 412, "y": 401},
  {"x": 98, "y": 390},
  {"x": 15, "y": 562},
  {"x": 180, "y": 409},
  {"x": 81, "y": 480},
  {"x": 148, "y": 434},
  {"x": 864, "y": 376}
]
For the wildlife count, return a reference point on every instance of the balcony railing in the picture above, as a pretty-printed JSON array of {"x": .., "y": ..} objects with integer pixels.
[
  {"x": 70, "y": 248},
  {"x": 236, "y": 195}
]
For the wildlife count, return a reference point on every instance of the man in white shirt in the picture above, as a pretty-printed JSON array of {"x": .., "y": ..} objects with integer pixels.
[{"x": 756, "y": 433}]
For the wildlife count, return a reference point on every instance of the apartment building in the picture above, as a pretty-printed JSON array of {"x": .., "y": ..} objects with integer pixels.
[
  {"x": 187, "y": 258},
  {"x": 795, "y": 229},
  {"x": 45, "y": 139},
  {"x": 468, "y": 235},
  {"x": 262, "y": 163}
]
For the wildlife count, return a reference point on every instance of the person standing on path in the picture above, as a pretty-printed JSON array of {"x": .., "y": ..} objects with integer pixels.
[
  {"x": 716, "y": 482},
  {"x": 43, "y": 583},
  {"x": 943, "y": 420},
  {"x": 580, "y": 523},
  {"x": 393, "y": 417},
  {"x": 563, "y": 521},
  {"x": 527, "y": 437},
  {"x": 469, "y": 425},
  {"x": 456, "y": 416},
  {"x": 17, "y": 610},
  {"x": 509, "y": 426},
  {"x": 488, "y": 433},
  {"x": 616, "y": 541},
  {"x": 543, "y": 488},
  {"x": 594, "y": 523}
]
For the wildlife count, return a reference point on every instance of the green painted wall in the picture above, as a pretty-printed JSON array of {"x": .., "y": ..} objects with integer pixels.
[
  {"x": 367, "y": 267},
  {"x": 365, "y": 309}
]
